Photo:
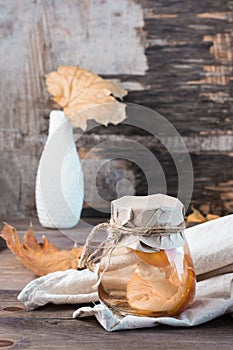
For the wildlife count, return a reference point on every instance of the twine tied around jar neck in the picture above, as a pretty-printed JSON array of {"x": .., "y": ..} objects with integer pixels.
[{"x": 115, "y": 233}]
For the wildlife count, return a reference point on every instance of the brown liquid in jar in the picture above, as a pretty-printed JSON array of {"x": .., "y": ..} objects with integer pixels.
[{"x": 148, "y": 284}]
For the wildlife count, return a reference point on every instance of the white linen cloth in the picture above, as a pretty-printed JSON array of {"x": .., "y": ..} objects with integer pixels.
[
  {"x": 61, "y": 287},
  {"x": 211, "y": 246}
]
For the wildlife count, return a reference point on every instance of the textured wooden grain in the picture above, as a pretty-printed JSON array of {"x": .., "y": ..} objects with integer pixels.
[
  {"x": 52, "y": 327},
  {"x": 51, "y": 331},
  {"x": 174, "y": 56}
]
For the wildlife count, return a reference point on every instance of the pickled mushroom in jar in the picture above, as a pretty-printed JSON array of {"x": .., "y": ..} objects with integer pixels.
[
  {"x": 146, "y": 268},
  {"x": 160, "y": 289}
]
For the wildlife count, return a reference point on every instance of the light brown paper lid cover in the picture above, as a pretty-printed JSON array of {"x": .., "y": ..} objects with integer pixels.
[{"x": 156, "y": 210}]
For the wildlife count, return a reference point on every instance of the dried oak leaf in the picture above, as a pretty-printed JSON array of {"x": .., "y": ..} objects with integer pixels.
[
  {"x": 40, "y": 258},
  {"x": 85, "y": 95},
  {"x": 197, "y": 217}
]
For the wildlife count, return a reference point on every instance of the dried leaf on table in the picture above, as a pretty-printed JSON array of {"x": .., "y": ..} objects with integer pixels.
[
  {"x": 85, "y": 95},
  {"x": 40, "y": 258},
  {"x": 197, "y": 217}
]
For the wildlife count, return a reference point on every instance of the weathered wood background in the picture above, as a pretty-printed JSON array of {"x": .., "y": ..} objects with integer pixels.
[{"x": 174, "y": 56}]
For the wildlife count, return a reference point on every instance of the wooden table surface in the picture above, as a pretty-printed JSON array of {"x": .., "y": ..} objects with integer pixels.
[{"x": 52, "y": 327}]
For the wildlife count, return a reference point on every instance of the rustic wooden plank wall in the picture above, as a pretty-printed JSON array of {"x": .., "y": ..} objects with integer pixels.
[{"x": 174, "y": 56}]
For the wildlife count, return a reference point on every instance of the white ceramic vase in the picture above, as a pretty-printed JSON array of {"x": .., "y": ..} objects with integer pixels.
[{"x": 59, "y": 180}]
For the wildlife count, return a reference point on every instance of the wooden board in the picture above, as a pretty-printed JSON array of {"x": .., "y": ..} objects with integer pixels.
[{"x": 52, "y": 327}]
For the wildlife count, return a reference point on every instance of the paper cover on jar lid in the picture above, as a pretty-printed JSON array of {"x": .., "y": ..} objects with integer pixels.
[
  {"x": 156, "y": 210},
  {"x": 147, "y": 211}
]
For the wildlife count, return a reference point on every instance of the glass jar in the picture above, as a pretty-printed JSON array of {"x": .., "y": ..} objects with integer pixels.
[
  {"x": 146, "y": 268},
  {"x": 155, "y": 284}
]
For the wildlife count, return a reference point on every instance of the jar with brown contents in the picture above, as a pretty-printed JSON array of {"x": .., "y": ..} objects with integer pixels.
[
  {"x": 146, "y": 267},
  {"x": 150, "y": 284}
]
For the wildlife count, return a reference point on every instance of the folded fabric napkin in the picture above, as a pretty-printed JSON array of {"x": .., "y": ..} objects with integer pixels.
[
  {"x": 211, "y": 246},
  {"x": 61, "y": 287}
]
